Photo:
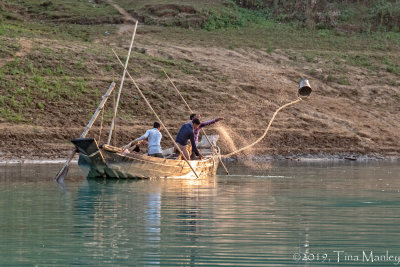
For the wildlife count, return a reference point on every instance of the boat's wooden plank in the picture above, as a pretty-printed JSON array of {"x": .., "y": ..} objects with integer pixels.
[
  {"x": 128, "y": 166},
  {"x": 111, "y": 173},
  {"x": 121, "y": 174}
]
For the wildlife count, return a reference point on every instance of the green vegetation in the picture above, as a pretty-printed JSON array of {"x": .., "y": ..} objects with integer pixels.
[
  {"x": 69, "y": 59},
  {"x": 346, "y": 15},
  {"x": 67, "y": 11},
  {"x": 274, "y": 35},
  {"x": 386, "y": 15},
  {"x": 238, "y": 17}
]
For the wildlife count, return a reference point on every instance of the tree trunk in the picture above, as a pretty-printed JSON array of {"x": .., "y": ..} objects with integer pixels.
[
  {"x": 276, "y": 7},
  {"x": 309, "y": 13}
]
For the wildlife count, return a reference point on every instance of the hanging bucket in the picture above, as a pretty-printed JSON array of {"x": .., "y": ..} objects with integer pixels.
[{"x": 305, "y": 88}]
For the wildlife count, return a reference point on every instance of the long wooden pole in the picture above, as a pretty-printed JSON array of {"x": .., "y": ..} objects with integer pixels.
[
  {"x": 64, "y": 170},
  {"x": 155, "y": 114},
  {"x": 202, "y": 130},
  {"x": 120, "y": 86}
]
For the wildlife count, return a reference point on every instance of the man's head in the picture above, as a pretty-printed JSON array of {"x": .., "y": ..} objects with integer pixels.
[
  {"x": 157, "y": 125},
  {"x": 196, "y": 123},
  {"x": 194, "y": 116}
]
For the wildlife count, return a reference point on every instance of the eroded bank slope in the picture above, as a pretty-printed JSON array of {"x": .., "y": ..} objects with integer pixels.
[{"x": 51, "y": 83}]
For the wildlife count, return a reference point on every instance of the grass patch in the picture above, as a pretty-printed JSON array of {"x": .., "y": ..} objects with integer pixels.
[
  {"x": 67, "y": 11},
  {"x": 360, "y": 60},
  {"x": 57, "y": 31},
  {"x": 236, "y": 17},
  {"x": 8, "y": 47},
  {"x": 393, "y": 69},
  {"x": 343, "y": 80},
  {"x": 284, "y": 36}
]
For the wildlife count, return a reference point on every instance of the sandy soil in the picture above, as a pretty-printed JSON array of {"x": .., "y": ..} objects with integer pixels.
[
  {"x": 328, "y": 122},
  {"x": 245, "y": 86},
  {"x": 127, "y": 18},
  {"x": 26, "y": 46}
]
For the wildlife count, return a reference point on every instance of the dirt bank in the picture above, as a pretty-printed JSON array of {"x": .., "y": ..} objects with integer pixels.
[
  {"x": 353, "y": 110},
  {"x": 245, "y": 87}
]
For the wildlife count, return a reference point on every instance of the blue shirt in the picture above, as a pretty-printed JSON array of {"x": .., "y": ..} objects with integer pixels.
[
  {"x": 185, "y": 133},
  {"x": 154, "y": 138}
]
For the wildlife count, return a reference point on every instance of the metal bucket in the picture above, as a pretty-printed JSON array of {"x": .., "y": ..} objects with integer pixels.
[{"x": 305, "y": 88}]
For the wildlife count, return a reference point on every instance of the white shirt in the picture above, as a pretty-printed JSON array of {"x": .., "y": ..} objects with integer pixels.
[{"x": 154, "y": 138}]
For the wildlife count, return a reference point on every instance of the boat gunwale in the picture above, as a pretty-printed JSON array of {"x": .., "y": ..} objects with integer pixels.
[{"x": 157, "y": 161}]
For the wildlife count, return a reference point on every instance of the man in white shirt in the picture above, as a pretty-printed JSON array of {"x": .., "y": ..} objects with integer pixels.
[{"x": 153, "y": 139}]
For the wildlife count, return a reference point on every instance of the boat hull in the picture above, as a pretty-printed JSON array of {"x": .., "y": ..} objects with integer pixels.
[{"x": 97, "y": 162}]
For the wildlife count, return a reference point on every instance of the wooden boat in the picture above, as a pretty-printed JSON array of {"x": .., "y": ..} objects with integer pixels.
[{"x": 109, "y": 162}]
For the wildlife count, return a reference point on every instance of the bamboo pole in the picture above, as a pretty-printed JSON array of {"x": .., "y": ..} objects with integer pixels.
[
  {"x": 155, "y": 114},
  {"x": 101, "y": 124},
  {"x": 64, "y": 170},
  {"x": 202, "y": 130},
  {"x": 120, "y": 86}
]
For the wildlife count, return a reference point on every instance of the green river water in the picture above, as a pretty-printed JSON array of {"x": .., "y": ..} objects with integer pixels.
[{"x": 277, "y": 214}]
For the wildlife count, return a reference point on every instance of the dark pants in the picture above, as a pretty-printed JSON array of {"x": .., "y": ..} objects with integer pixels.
[{"x": 157, "y": 155}]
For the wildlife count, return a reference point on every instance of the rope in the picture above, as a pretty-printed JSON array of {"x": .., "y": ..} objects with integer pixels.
[
  {"x": 214, "y": 152},
  {"x": 155, "y": 114},
  {"x": 266, "y": 130}
]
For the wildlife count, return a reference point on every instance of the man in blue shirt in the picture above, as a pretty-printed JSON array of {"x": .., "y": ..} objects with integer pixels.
[
  {"x": 186, "y": 133},
  {"x": 154, "y": 138}
]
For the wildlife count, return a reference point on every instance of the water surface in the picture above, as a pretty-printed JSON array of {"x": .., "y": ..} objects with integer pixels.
[{"x": 277, "y": 214}]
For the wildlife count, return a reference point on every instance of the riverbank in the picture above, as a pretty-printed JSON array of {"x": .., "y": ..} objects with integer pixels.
[
  {"x": 251, "y": 159},
  {"x": 53, "y": 74}
]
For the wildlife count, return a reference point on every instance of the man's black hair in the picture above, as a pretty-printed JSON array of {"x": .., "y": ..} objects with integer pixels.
[
  {"x": 192, "y": 116},
  {"x": 156, "y": 125},
  {"x": 196, "y": 121}
]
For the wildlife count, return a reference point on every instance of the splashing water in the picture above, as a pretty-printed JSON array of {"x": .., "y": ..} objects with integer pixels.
[
  {"x": 233, "y": 139},
  {"x": 228, "y": 136},
  {"x": 265, "y": 132},
  {"x": 222, "y": 131},
  {"x": 257, "y": 165}
]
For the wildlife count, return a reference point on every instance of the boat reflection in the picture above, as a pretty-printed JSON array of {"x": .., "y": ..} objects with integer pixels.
[
  {"x": 252, "y": 218},
  {"x": 137, "y": 215}
]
